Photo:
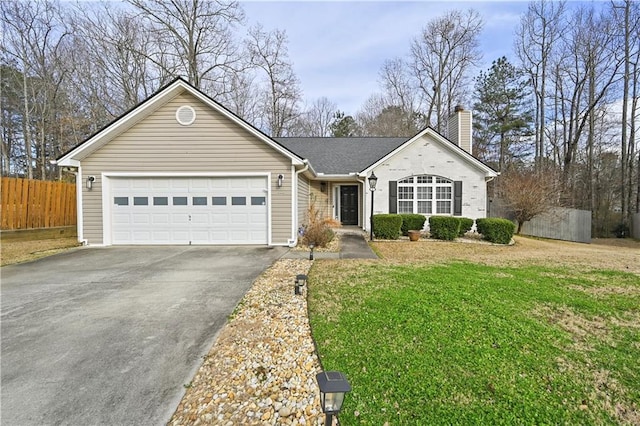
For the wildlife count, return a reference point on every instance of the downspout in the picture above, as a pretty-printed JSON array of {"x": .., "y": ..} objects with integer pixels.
[
  {"x": 364, "y": 204},
  {"x": 294, "y": 213}
]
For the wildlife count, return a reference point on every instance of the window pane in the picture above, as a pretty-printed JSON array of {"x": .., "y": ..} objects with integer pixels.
[
  {"x": 425, "y": 192},
  {"x": 405, "y": 206},
  {"x": 443, "y": 207},
  {"x": 199, "y": 201},
  {"x": 179, "y": 201},
  {"x": 140, "y": 201},
  {"x": 424, "y": 179},
  {"x": 405, "y": 193},
  {"x": 258, "y": 201},
  {"x": 121, "y": 201},
  {"x": 238, "y": 201},
  {"x": 424, "y": 207},
  {"x": 406, "y": 180},
  {"x": 442, "y": 180},
  {"x": 219, "y": 201},
  {"x": 160, "y": 201},
  {"x": 443, "y": 193}
]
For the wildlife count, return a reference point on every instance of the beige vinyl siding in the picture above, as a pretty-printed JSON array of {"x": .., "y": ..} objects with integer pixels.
[
  {"x": 321, "y": 199},
  {"x": 213, "y": 143},
  {"x": 303, "y": 200},
  {"x": 465, "y": 131}
]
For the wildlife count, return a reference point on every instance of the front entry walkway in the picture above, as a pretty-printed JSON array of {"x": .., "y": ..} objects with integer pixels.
[{"x": 352, "y": 246}]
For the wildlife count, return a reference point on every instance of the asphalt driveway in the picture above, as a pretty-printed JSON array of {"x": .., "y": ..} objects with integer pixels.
[{"x": 111, "y": 335}]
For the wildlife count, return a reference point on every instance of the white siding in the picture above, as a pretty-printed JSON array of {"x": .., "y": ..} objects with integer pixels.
[{"x": 426, "y": 156}]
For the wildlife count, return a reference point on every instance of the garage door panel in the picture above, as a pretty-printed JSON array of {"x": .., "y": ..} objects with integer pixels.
[
  {"x": 141, "y": 218},
  {"x": 161, "y": 210},
  {"x": 239, "y": 219},
  {"x": 160, "y": 218},
  {"x": 121, "y": 219}
]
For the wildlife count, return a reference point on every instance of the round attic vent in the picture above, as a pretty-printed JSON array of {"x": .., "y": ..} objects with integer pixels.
[{"x": 186, "y": 115}]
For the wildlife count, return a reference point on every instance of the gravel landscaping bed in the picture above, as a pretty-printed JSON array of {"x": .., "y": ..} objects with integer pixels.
[{"x": 261, "y": 370}]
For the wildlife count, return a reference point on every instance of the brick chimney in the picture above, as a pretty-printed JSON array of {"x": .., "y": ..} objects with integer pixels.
[{"x": 460, "y": 128}]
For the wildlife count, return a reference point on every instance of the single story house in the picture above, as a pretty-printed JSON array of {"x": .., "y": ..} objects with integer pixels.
[{"x": 181, "y": 169}]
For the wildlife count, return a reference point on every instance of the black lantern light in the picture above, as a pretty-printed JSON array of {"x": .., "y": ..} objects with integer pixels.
[
  {"x": 333, "y": 385},
  {"x": 311, "y": 246},
  {"x": 373, "y": 181}
]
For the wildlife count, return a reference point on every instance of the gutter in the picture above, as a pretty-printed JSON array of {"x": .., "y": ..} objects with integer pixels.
[{"x": 294, "y": 210}]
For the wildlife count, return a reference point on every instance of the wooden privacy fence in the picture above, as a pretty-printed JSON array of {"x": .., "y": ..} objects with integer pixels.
[
  {"x": 29, "y": 204},
  {"x": 558, "y": 223}
]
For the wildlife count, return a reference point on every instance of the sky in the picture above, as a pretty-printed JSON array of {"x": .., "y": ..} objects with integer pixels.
[{"x": 338, "y": 47}]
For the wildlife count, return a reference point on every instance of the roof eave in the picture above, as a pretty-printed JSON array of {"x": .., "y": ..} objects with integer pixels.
[{"x": 103, "y": 136}]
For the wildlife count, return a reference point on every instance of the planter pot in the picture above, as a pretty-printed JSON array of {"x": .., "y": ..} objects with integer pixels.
[{"x": 414, "y": 235}]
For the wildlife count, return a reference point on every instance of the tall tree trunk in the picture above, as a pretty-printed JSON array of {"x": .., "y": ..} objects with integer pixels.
[
  {"x": 624, "y": 180},
  {"x": 27, "y": 122}
]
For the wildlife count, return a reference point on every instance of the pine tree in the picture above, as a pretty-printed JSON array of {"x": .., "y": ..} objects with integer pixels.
[{"x": 503, "y": 116}]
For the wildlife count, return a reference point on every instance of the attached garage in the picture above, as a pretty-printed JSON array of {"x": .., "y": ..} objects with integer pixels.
[{"x": 189, "y": 210}]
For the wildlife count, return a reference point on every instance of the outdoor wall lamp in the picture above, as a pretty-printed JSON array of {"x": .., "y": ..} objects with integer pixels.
[
  {"x": 301, "y": 280},
  {"x": 90, "y": 180},
  {"x": 333, "y": 385},
  {"x": 373, "y": 181},
  {"x": 323, "y": 186},
  {"x": 280, "y": 180},
  {"x": 311, "y": 246}
]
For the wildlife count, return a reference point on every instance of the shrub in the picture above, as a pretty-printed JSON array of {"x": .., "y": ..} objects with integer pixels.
[
  {"x": 412, "y": 222},
  {"x": 318, "y": 231},
  {"x": 387, "y": 226},
  {"x": 465, "y": 225},
  {"x": 496, "y": 230},
  {"x": 444, "y": 227}
]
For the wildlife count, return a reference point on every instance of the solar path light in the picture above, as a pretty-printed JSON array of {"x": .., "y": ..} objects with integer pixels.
[
  {"x": 301, "y": 280},
  {"x": 333, "y": 385}
]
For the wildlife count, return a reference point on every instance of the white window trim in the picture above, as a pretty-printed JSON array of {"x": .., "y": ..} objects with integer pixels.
[{"x": 434, "y": 200}]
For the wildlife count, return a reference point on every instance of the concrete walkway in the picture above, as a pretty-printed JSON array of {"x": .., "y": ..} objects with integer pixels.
[{"x": 353, "y": 246}]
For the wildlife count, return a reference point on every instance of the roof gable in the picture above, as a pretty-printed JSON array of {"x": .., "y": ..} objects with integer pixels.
[
  {"x": 441, "y": 140},
  {"x": 146, "y": 108}
]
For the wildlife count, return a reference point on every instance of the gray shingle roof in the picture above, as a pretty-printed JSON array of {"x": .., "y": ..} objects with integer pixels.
[{"x": 341, "y": 155}]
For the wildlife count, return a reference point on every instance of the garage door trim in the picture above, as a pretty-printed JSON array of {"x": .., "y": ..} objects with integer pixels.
[{"x": 107, "y": 226}]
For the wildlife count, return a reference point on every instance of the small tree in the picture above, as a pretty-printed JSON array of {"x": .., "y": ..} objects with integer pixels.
[{"x": 528, "y": 193}]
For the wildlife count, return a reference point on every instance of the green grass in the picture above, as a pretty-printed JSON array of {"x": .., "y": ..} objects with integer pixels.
[{"x": 470, "y": 344}]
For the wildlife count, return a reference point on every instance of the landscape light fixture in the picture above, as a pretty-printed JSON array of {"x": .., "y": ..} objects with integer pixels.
[
  {"x": 333, "y": 385},
  {"x": 373, "y": 181},
  {"x": 301, "y": 280},
  {"x": 311, "y": 246}
]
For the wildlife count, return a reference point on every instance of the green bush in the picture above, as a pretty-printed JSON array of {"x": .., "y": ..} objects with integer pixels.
[
  {"x": 465, "y": 225},
  {"x": 444, "y": 227},
  {"x": 412, "y": 221},
  {"x": 496, "y": 230},
  {"x": 387, "y": 226}
]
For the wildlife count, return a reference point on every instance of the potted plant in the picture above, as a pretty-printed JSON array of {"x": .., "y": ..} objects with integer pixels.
[{"x": 413, "y": 235}]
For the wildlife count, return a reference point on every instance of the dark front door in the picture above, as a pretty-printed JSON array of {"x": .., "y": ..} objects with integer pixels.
[{"x": 349, "y": 205}]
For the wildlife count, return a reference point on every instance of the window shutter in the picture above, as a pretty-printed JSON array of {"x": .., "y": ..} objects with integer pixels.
[
  {"x": 393, "y": 197},
  {"x": 457, "y": 198}
]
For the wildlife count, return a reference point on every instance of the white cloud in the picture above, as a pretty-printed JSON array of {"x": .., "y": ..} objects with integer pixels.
[{"x": 338, "y": 47}]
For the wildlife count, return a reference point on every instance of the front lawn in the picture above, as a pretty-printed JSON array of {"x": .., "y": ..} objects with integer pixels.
[{"x": 463, "y": 343}]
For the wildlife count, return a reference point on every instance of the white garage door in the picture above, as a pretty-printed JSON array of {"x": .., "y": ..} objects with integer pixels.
[{"x": 189, "y": 210}]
